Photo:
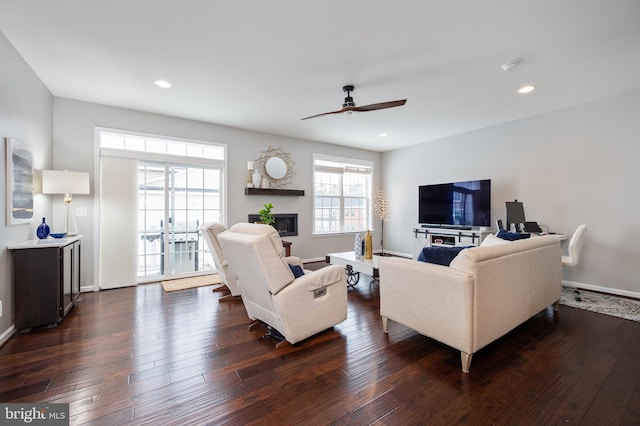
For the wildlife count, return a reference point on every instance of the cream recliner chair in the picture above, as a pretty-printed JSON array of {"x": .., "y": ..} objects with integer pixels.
[
  {"x": 210, "y": 231},
  {"x": 296, "y": 308}
]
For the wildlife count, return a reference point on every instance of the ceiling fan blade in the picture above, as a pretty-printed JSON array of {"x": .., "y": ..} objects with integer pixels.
[
  {"x": 381, "y": 105},
  {"x": 325, "y": 113}
]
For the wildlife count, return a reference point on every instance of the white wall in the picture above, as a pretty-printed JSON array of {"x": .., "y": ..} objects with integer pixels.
[
  {"x": 74, "y": 149},
  {"x": 26, "y": 108},
  {"x": 577, "y": 165}
]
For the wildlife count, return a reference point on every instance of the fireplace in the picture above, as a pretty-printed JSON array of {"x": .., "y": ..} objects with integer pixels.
[{"x": 286, "y": 224}]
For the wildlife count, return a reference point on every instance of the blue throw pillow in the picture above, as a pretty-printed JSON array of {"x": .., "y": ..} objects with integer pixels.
[
  {"x": 512, "y": 236},
  {"x": 440, "y": 255},
  {"x": 297, "y": 270}
]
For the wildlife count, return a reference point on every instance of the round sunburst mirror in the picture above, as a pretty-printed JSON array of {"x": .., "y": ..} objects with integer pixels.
[{"x": 276, "y": 164}]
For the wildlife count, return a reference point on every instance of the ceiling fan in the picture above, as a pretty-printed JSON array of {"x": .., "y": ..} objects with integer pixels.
[{"x": 349, "y": 106}]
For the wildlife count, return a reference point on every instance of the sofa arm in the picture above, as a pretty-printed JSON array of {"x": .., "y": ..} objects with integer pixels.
[
  {"x": 330, "y": 275},
  {"x": 293, "y": 260},
  {"x": 304, "y": 311},
  {"x": 434, "y": 300}
]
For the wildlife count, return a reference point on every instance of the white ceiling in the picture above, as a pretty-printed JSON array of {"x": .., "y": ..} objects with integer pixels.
[{"x": 263, "y": 65}]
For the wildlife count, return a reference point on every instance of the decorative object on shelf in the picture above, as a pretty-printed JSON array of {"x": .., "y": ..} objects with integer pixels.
[
  {"x": 59, "y": 235},
  {"x": 256, "y": 177},
  {"x": 264, "y": 183},
  {"x": 43, "y": 230},
  {"x": 19, "y": 167},
  {"x": 249, "y": 174},
  {"x": 276, "y": 165},
  {"x": 382, "y": 210},
  {"x": 67, "y": 183},
  {"x": 265, "y": 214},
  {"x": 368, "y": 246}
]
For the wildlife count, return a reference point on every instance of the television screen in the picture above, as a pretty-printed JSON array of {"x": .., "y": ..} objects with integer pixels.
[{"x": 457, "y": 204}]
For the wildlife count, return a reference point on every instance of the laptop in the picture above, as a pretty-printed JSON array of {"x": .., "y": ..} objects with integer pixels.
[{"x": 532, "y": 227}]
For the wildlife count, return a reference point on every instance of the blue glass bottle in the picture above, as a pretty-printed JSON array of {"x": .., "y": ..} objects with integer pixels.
[{"x": 43, "y": 230}]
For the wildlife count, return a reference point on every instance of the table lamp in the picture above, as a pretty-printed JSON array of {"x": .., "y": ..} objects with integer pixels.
[{"x": 67, "y": 183}]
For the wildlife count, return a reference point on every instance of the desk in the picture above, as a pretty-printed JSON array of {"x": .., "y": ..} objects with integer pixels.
[{"x": 561, "y": 237}]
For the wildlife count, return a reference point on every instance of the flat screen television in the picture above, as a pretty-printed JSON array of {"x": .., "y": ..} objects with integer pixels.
[{"x": 456, "y": 204}]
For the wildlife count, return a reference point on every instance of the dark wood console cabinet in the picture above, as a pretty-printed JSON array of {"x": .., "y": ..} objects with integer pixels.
[{"x": 46, "y": 277}]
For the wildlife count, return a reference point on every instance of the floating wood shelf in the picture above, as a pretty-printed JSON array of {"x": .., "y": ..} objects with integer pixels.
[{"x": 274, "y": 191}]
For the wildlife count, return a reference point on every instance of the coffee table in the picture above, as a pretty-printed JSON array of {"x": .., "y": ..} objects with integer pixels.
[{"x": 355, "y": 266}]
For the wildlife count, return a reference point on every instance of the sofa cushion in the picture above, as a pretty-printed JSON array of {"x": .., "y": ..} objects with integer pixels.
[
  {"x": 440, "y": 255},
  {"x": 512, "y": 236}
]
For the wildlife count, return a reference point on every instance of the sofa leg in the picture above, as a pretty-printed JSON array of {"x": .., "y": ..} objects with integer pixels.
[
  {"x": 385, "y": 324},
  {"x": 466, "y": 361}
]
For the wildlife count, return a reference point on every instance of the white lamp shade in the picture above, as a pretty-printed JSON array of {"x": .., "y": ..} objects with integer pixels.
[{"x": 65, "y": 182}]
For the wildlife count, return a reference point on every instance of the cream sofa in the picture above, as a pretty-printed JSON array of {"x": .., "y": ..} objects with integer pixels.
[{"x": 483, "y": 294}]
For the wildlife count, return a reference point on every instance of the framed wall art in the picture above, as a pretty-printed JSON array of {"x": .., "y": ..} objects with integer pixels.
[{"x": 19, "y": 180}]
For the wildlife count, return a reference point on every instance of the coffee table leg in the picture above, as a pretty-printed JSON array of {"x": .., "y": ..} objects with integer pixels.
[{"x": 352, "y": 276}]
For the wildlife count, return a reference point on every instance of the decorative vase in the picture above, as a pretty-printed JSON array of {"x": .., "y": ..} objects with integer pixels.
[
  {"x": 43, "y": 230},
  {"x": 357, "y": 246},
  {"x": 256, "y": 177},
  {"x": 368, "y": 246}
]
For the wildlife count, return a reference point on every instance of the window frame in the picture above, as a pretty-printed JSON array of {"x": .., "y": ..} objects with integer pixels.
[{"x": 322, "y": 162}]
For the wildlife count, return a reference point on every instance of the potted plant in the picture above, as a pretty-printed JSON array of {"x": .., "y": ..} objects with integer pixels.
[{"x": 265, "y": 214}]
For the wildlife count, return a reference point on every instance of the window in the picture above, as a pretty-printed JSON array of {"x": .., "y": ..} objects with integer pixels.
[
  {"x": 180, "y": 186},
  {"x": 341, "y": 194}
]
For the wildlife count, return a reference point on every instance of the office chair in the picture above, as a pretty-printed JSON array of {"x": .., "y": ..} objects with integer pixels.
[
  {"x": 575, "y": 246},
  {"x": 573, "y": 252}
]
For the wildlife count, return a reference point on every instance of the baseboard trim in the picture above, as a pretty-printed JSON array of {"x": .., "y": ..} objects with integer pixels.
[
  {"x": 4, "y": 337},
  {"x": 608, "y": 290}
]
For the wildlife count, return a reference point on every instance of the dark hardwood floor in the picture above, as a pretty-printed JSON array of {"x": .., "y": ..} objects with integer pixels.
[{"x": 143, "y": 356}]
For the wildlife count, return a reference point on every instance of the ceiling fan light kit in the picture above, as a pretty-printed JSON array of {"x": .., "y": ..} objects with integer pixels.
[{"x": 349, "y": 106}]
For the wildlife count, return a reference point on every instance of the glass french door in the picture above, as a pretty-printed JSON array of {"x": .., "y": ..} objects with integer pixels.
[{"x": 174, "y": 200}]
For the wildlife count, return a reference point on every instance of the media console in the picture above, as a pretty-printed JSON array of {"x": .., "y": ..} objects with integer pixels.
[{"x": 442, "y": 236}]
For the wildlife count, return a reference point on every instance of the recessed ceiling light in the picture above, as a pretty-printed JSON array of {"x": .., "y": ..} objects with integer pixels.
[
  {"x": 383, "y": 135},
  {"x": 526, "y": 89},
  {"x": 162, "y": 83}
]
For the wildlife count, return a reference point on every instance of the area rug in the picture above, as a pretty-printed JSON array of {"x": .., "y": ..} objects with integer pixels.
[
  {"x": 602, "y": 303},
  {"x": 191, "y": 282}
]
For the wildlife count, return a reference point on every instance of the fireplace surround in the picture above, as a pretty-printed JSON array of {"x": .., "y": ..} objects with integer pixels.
[{"x": 286, "y": 224}]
